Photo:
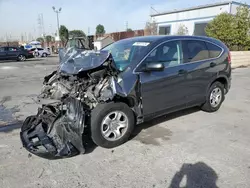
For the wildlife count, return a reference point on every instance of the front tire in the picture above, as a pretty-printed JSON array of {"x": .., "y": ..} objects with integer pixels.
[
  {"x": 111, "y": 124},
  {"x": 215, "y": 97}
]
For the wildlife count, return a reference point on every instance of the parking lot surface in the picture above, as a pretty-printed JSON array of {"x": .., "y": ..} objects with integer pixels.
[{"x": 189, "y": 148}]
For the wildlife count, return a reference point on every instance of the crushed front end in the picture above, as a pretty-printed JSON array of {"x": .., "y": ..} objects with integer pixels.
[
  {"x": 56, "y": 131},
  {"x": 81, "y": 82}
]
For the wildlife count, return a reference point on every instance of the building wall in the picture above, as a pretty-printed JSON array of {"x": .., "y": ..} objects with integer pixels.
[
  {"x": 191, "y": 17},
  {"x": 234, "y": 7},
  {"x": 106, "y": 42},
  {"x": 123, "y": 35},
  {"x": 240, "y": 58},
  {"x": 188, "y": 23}
]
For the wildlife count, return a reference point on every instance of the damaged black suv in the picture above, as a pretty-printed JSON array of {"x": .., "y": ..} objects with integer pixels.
[{"x": 105, "y": 94}]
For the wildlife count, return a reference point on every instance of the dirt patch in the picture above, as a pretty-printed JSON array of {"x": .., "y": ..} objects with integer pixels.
[
  {"x": 154, "y": 135},
  {"x": 5, "y": 99},
  {"x": 7, "y": 115}
]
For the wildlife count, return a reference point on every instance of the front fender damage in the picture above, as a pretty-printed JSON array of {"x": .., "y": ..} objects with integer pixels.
[{"x": 56, "y": 131}]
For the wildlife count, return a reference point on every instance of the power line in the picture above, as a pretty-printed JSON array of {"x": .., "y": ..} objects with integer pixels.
[{"x": 152, "y": 8}]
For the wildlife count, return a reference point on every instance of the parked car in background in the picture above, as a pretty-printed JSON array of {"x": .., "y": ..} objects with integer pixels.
[
  {"x": 14, "y": 53},
  {"x": 40, "y": 52}
]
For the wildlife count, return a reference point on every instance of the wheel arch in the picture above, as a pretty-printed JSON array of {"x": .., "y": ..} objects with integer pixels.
[
  {"x": 223, "y": 80},
  {"x": 130, "y": 101},
  {"x": 133, "y": 104}
]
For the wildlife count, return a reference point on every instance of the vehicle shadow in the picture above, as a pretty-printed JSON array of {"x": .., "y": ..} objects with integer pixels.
[
  {"x": 146, "y": 125},
  {"x": 34, "y": 59},
  {"x": 195, "y": 176},
  {"x": 10, "y": 127},
  {"x": 88, "y": 143}
]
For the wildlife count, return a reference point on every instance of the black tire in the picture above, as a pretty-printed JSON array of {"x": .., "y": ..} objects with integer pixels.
[
  {"x": 21, "y": 58},
  {"x": 44, "y": 55},
  {"x": 97, "y": 116},
  {"x": 207, "y": 107}
]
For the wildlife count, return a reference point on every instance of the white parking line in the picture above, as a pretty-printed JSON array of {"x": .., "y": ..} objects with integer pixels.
[{"x": 7, "y": 68}]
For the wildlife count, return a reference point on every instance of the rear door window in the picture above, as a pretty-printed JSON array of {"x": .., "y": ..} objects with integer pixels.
[
  {"x": 214, "y": 51},
  {"x": 195, "y": 50}
]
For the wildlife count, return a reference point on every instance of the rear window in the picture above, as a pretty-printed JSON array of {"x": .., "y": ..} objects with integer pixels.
[
  {"x": 12, "y": 49},
  {"x": 2, "y": 49},
  {"x": 195, "y": 50},
  {"x": 214, "y": 51}
]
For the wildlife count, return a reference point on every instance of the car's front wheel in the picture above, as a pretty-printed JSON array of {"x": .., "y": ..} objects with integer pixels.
[
  {"x": 215, "y": 97},
  {"x": 111, "y": 124}
]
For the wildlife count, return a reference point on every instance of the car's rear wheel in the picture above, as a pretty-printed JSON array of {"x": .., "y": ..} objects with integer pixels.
[
  {"x": 21, "y": 58},
  {"x": 111, "y": 124},
  {"x": 215, "y": 97},
  {"x": 44, "y": 55}
]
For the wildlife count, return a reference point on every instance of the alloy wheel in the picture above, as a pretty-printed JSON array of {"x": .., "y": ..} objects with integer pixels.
[
  {"x": 215, "y": 97},
  {"x": 114, "y": 125}
]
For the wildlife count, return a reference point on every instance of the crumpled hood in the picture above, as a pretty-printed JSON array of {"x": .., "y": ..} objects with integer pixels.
[{"x": 76, "y": 60}]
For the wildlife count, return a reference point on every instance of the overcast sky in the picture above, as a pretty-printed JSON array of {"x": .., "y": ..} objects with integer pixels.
[{"x": 18, "y": 17}]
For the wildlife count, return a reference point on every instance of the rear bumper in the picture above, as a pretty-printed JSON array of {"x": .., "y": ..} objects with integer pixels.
[{"x": 30, "y": 56}]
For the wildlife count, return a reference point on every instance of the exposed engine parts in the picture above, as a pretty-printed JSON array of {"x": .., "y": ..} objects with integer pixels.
[{"x": 82, "y": 81}]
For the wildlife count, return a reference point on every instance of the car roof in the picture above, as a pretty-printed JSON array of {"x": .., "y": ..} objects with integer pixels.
[
  {"x": 9, "y": 47},
  {"x": 161, "y": 38}
]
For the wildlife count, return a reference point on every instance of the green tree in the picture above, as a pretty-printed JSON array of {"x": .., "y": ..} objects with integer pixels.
[
  {"x": 100, "y": 30},
  {"x": 222, "y": 28},
  {"x": 182, "y": 30},
  {"x": 40, "y": 39},
  {"x": 241, "y": 28},
  {"x": 64, "y": 34},
  {"x": 129, "y": 30},
  {"x": 48, "y": 39},
  {"x": 233, "y": 30},
  {"x": 77, "y": 33}
]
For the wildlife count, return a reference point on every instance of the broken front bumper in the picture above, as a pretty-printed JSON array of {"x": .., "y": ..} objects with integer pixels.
[{"x": 55, "y": 132}]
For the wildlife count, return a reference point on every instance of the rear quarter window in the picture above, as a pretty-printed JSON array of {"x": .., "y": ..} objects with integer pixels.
[
  {"x": 195, "y": 50},
  {"x": 214, "y": 50}
]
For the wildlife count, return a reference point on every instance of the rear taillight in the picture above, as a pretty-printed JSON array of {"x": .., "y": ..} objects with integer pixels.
[{"x": 229, "y": 57}]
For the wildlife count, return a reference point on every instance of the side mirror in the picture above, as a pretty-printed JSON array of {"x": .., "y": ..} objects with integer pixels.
[{"x": 153, "y": 66}]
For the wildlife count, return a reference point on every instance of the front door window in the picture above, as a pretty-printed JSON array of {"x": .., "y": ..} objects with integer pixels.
[{"x": 169, "y": 53}]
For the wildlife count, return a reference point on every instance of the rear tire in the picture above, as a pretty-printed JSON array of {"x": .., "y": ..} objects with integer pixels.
[
  {"x": 215, "y": 97},
  {"x": 44, "y": 55},
  {"x": 111, "y": 124},
  {"x": 21, "y": 58}
]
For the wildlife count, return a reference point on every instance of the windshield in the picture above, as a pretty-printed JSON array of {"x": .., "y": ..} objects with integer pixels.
[{"x": 126, "y": 51}]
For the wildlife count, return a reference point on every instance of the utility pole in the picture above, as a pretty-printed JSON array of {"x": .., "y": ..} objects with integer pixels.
[
  {"x": 57, "y": 16},
  {"x": 40, "y": 25},
  {"x": 126, "y": 25},
  {"x": 88, "y": 30}
]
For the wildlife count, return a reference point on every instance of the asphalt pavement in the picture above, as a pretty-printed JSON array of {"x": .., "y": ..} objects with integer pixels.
[{"x": 190, "y": 148}]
